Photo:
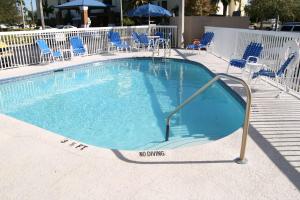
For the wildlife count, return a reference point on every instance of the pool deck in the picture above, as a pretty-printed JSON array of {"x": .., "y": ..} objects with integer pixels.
[{"x": 38, "y": 164}]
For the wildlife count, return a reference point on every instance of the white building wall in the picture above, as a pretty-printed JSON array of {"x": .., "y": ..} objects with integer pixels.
[{"x": 233, "y": 6}]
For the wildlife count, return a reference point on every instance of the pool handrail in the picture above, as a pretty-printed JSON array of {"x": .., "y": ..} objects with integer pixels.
[{"x": 241, "y": 159}]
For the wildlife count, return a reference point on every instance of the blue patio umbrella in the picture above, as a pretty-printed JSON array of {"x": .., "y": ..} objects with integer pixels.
[
  {"x": 83, "y": 5},
  {"x": 149, "y": 10}
]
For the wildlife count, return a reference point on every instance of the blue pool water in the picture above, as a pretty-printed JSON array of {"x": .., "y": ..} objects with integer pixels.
[{"x": 123, "y": 104}]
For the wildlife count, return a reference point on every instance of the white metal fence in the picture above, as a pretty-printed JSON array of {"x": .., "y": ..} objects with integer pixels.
[
  {"x": 20, "y": 49},
  {"x": 232, "y": 41}
]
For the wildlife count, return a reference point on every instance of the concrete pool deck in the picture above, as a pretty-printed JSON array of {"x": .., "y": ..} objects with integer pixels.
[{"x": 38, "y": 164}]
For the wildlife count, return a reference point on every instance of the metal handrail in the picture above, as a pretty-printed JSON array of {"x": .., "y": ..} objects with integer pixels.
[{"x": 241, "y": 159}]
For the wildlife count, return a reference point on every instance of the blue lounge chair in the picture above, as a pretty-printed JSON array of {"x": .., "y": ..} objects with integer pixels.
[
  {"x": 251, "y": 54},
  {"x": 160, "y": 34},
  {"x": 161, "y": 39},
  {"x": 115, "y": 41},
  {"x": 165, "y": 42},
  {"x": 136, "y": 40},
  {"x": 46, "y": 51},
  {"x": 205, "y": 41},
  {"x": 78, "y": 48},
  {"x": 145, "y": 42},
  {"x": 281, "y": 71},
  {"x": 285, "y": 71}
]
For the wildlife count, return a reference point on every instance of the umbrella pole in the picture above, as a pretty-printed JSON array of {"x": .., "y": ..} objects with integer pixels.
[
  {"x": 121, "y": 11},
  {"x": 149, "y": 24},
  {"x": 84, "y": 16}
]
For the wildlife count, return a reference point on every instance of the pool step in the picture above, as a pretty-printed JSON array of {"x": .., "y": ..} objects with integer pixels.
[
  {"x": 179, "y": 137},
  {"x": 174, "y": 142}
]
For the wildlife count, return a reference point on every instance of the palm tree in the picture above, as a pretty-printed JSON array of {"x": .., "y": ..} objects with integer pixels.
[
  {"x": 46, "y": 8},
  {"x": 199, "y": 7},
  {"x": 41, "y": 13},
  {"x": 240, "y": 4},
  {"x": 21, "y": 5},
  {"x": 135, "y": 3}
]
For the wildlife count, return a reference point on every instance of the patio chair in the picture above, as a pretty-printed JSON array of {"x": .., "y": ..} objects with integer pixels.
[
  {"x": 161, "y": 40},
  {"x": 46, "y": 51},
  {"x": 203, "y": 43},
  {"x": 77, "y": 46},
  {"x": 251, "y": 54},
  {"x": 145, "y": 42},
  {"x": 285, "y": 72},
  {"x": 115, "y": 41},
  {"x": 136, "y": 40},
  {"x": 168, "y": 43}
]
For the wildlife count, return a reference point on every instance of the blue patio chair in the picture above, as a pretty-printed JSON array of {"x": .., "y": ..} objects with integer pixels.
[
  {"x": 145, "y": 42},
  {"x": 136, "y": 39},
  {"x": 205, "y": 41},
  {"x": 115, "y": 41},
  {"x": 161, "y": 39},
  {"x": 285, "y": 72},
  {"x": 168, "y": 43},
  {"x": 251, "y": 54},
  {"x": 46, "y": 51},
  {"x": 169, "y": 39},
  {"x": 160, "y": 34},
  {"x": 281, "y": 71},
  {"x": 78, "y": 48}
]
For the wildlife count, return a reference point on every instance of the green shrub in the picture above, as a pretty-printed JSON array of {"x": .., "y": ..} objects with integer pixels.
[{"x": 128, "y": 22}]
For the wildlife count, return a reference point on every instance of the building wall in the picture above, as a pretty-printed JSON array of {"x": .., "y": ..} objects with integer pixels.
[
  {"x": 171, "y": 4},
  {"x": 194, "y": 25},
  {"x": 233, "y": 6}
]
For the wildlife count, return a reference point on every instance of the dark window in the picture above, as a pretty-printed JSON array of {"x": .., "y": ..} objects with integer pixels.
[
  {"x": 296, "y": 29},
  {"x": 108, "y": 2},
  {"x": 164, "y": 4},
  {"x": 286, "y": 28}
]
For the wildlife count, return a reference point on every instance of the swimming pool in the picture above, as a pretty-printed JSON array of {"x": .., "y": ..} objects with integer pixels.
[{"x": 123, "y": 103}]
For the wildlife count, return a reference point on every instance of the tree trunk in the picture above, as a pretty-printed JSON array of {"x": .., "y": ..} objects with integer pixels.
[
  {"x": 276, "y": 23},
  {"x": 59, "y": 15},
  {"x": 240, "y": 5},
  {"x": 121, "y": 12},
  {"x": 261, "y": 25},
  {"x": 41, "y": 14},
  {"x": 225, "y": 6}
]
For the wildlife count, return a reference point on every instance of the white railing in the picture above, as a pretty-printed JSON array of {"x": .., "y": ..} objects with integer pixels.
[
  {"x": 232, "y": 41},
  {"x": 20, "y": 49}
]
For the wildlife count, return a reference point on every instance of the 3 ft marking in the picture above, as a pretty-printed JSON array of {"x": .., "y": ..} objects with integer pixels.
[
  {"x": 151, "y": 153},
  {"x": 74, "y": 144}
]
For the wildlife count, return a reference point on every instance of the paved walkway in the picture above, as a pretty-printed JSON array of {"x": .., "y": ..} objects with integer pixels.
[{"x": 38, "y": 164}]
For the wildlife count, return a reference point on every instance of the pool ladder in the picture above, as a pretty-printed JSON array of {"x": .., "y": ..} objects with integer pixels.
[
  {"x": 241, "y": 159},
  {"x": 166, "y": 49}
]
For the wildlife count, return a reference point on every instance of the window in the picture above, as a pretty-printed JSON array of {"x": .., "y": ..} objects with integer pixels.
[
  {"x": 164, "y": 4},
  {"x": 286, "y": 28},
  {"x": 108, "y": 2},
  {"x": 296, "y": 29}
]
